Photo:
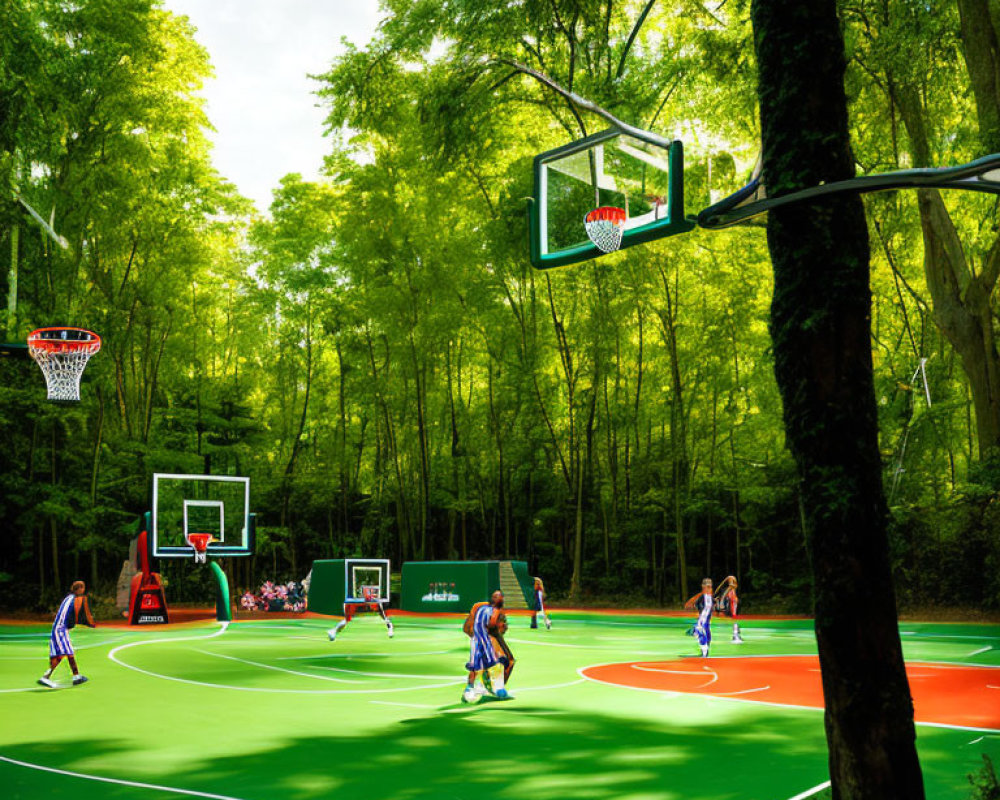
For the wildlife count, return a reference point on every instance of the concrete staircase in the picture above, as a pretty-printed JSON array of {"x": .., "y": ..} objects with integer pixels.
[{"x": 513, "y": 595}]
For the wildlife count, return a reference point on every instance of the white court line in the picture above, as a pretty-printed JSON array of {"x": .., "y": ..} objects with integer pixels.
[
  {"x": 369, "y": 655},
  {"x": 671, "y": 693},
  {"x": 137, "y": 784},
  {"x": 980, "y": 650},
  {"x": 263, "y": 690},
  {"x": 810, "y": 792},
  {"x": 660, "y": 653},
  {"x": 382, "y": 674},
  {"x": 671, "y": 671},
  {"x": 404, "y": 705},
  {"x": 520, "y": 689},
  {"x": 709, "y": 682},
  {"x": 279, "y": 669},
  {"x": 77, "y": 647},
  {"x": 743, "y": 691},
  {"x": 944, "y": 636}
]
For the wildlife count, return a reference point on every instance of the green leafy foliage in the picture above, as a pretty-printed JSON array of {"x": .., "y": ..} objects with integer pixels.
[{"x": 379, "y": 357}]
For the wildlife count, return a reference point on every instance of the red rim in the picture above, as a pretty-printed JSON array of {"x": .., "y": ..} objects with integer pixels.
[
  {"x": 610, "y": 213},
  {"x": 199, "y": 541},
  {"x": 37, "y": 340}
]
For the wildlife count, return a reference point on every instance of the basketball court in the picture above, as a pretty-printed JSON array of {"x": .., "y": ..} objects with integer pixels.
[{"x": 605, "y": 705}]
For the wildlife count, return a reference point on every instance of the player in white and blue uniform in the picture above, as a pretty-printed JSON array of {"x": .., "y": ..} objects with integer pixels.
[
  {"x": 488, "y": 654},
  {"x": 539, "y": 605},
  {"x": 73, "y": 606},
  {"x": 704, "y": 602}
]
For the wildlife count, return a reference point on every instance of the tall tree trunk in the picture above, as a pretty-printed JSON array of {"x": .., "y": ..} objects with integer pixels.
[
  {"x": 680, "y": 466},
  {"x": 981, "y": 48},
  {"x": 94, "y": 471},
  {"x": 581, "y": 470},
  {"x": 53, "y": 526},
  {"x": 823, "y": 364},
  {"x": 343, "y": 521},
  {"x": 420, "y": 379}
]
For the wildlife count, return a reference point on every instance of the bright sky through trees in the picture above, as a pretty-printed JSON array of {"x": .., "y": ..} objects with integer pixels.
[{"x": 261, "y": 102}]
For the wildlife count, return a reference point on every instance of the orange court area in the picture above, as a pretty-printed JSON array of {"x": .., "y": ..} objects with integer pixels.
[{"x": 943, "y": 694}]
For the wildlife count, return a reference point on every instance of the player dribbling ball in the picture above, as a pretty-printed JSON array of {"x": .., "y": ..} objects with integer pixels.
[{"x": 73, "y": 608}]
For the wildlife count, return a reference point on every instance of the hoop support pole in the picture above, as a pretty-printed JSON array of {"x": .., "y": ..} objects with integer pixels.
[{"x": 223, "y": 611}]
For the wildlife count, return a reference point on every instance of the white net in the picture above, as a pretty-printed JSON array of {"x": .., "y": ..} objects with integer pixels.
[
  {"x": 63, "y": 369},
  {"x": 605, "y": 227},
  {"x": 605, "y": 234}
]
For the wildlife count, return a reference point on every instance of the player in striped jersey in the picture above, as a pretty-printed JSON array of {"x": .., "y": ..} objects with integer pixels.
[
  {"x": 489, "y": 658},
  {"x": 704, "y": 602},
  {"x": 73, "y": 607}
]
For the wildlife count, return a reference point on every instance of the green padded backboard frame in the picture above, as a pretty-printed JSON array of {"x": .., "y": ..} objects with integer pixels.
[{"x": 673, "y": 223}]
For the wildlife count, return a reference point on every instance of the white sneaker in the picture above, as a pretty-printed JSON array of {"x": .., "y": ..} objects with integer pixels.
[
  {"x": 332, "y": 633},
  {"x": 78, "y": 679},
  {"x": 47, "y": 682},
  {"x": 389, "y": 626},
  {"x": 737, "y": 640},
  {"x": 470, "y": 696},
  {"x": 548, "y": 624}
]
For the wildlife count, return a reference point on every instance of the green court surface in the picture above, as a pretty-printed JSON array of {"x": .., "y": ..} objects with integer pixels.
[{"x": 272, "y": 709}]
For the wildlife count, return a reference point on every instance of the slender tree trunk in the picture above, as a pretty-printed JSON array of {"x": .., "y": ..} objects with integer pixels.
[
  {"x": 678, "y": 429},
  {"x": 577, "y": 577},
  {"x": 10, "y": 325},
  {"x": 823, "y": 364},
  {"x": 95, "y": 464},
  {"x": 343, "y": 521},
  {"x": 962, "y": 296}
]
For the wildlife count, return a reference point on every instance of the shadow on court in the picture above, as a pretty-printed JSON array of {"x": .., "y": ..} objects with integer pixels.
[
  {"x": 510, "y": 750},
  {"x": 504, "y": 751}
]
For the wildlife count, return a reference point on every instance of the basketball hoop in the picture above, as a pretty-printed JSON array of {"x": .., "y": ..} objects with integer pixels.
[
  {"x": 199, "y": 541},
  {"x": 605, "y": 226},
  {"x": 62, "y": 354}
]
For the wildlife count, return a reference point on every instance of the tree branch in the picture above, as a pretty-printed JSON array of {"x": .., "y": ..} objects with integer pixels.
[
  {"x": 581, "y": 102},
  {"x": 631, "y": 37}
]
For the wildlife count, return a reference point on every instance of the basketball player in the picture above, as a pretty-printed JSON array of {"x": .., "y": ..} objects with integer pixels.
[
  {"x": 729, "y": 605},
  {"x": 489, "y": 658},
  {"x": 539, "y": 591},
  {"x": 73, "y": 607},
  {"x": 332, "y": 633},
  {"x": 704, "y": 602}
]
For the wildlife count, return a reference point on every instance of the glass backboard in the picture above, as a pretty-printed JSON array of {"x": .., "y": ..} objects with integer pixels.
[
  {"x": 362, "y": 573},
  {"x": 214, "y": 504},
  {"x": 607, "y": 169}
]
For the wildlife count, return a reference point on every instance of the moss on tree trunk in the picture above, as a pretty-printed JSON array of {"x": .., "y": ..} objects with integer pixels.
[{"x": 820, "y": 327}]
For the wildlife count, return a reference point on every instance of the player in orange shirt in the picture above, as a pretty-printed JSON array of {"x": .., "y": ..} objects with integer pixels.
[{"x": 728, "y": 604}]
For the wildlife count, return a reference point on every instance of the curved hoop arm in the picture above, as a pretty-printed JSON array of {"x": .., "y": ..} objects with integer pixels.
[{"x": 981, "y": 175}]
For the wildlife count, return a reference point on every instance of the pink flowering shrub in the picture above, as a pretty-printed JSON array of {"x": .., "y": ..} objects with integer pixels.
[{"x": 276, "y": 597}]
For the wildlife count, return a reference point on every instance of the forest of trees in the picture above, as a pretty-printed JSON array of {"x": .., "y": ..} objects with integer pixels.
[{"x": 378, "y": 356}]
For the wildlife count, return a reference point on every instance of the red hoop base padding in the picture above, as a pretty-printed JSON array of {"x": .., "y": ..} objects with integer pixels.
[{"x": 350, "y": 609}]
